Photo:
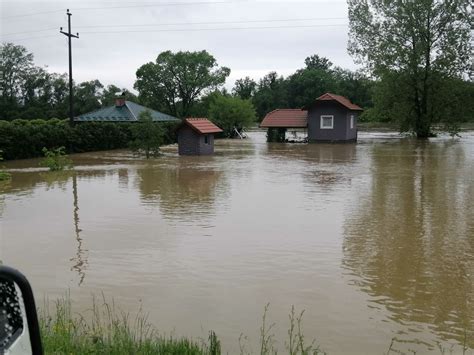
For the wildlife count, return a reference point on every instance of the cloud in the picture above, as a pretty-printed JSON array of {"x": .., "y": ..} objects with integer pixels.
[{"x": 116, "y": 37}]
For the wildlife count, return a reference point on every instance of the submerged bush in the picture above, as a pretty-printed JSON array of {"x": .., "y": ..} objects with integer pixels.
[
  {"x": 56, "y": 159},
  {"x": 3, "y": 174}
]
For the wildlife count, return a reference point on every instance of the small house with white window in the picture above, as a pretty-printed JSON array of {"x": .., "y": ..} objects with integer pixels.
[
  {"x": 332, "y": 118},
  {"x": 196, "y": 136}
]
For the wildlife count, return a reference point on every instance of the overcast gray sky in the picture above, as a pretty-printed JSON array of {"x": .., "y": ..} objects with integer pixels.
[{"x": 117, "y": 37}]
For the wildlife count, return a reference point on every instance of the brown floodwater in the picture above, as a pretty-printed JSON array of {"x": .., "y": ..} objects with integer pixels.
[{"x": 374, "y": 240}]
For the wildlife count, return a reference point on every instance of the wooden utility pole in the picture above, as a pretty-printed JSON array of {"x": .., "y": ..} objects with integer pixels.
[{"x": 70, "y": 35}]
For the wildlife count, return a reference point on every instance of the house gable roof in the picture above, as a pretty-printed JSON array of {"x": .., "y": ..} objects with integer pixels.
[
  {"x": 129, "y": 112},
  {"x": 285, "y": 118},
  {"x": 340, "y": 99},
  {"x": 202, "y": 125}
]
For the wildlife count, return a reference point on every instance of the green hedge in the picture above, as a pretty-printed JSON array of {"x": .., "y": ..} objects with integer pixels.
[{"x": 20, "y": 139}]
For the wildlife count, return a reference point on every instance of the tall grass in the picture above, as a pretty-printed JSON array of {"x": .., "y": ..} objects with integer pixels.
[{"x": 105, "y": 329}]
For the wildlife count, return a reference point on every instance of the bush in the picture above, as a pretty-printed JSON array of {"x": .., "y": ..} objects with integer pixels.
[
  {"x": 56, "y": 159},
  {"x": 21, "y": 139},
  {"x": 3, "y": 174}
]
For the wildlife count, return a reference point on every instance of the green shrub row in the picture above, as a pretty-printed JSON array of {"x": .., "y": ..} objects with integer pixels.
[{"x": 20, "y": 139}]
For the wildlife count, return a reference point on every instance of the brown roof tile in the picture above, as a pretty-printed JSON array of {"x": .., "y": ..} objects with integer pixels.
[
  {"x": 202, "y": 125},
  {"x": 341, "y": 99},
  {"x": 289, "y": 118}
]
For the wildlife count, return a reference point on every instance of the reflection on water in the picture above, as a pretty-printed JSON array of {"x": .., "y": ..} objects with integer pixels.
[
  {"x": 375, "y": 240},
  {"x": 410, "y": 239},
  {"x": 187, "y": 188},
  {"x": 80, "y": 260}
]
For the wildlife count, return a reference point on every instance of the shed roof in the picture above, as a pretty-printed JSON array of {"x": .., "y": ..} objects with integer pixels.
[
  {"x": 340, "y": 99},
  {"x": 202, "y": 125},
  {"x": 285, "y": 118},
  {"x": 129, "y": 112}
]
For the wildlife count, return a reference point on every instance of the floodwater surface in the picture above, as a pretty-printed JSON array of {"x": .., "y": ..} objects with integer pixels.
[{"x": 374, "y": 240}]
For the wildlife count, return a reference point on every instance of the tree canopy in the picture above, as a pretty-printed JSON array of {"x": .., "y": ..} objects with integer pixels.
[
  {"x": 175, "y": 81},
  {"x": 231, "y": 113},
  {"x": 415, "y": 49},
  {"x": 31, "y": 92},
  {"x": 244, "y": 88}
]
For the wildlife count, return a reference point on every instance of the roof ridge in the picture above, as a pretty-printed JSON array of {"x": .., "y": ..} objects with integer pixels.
[
  {"x": 340, "y": 99},
  {"x": 131, "y": 111}
]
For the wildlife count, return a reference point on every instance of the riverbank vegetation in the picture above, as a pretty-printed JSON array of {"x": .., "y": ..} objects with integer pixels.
[{"x": 105, "y": 329}]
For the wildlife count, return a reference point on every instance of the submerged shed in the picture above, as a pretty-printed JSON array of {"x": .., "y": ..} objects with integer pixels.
[{"x": 196, "y": 136}]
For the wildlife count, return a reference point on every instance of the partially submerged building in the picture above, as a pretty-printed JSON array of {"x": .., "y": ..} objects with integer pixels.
[
  {"x": 123, "y": 111},
  {"x": 196, "y": 136},
  {"x": 330, "y": 118},
  {"x": 278, "y": 121}
]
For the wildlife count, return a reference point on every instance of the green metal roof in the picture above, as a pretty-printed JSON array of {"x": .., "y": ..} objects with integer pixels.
[{"x": 130, "y": 112}]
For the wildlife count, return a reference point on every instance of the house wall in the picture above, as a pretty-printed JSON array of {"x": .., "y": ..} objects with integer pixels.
[
  {"x": 341, "y": 129},
  {"x": 192, "y": 143}
]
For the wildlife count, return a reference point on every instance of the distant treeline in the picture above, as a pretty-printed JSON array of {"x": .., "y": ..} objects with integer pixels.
[
  {"x": 20, "y": 139},
  {"x": 30, "y": 92}
]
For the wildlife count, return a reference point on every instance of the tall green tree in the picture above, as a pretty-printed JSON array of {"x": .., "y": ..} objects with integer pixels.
[
  {"x": 416, "y": 46},
  {"x": 87, "y": 96},
  {"x": 356, "y": 86},
  {"x": 177, "y": 80},
  {"x": 15, "y": 65},
  {"x": 230, "y": 113},
  {"x": 271, "y": 93},
  {"x": 147, "y": 136},
  {"x": 111, "y": 92},
  {"x": 310, "y": 82},
  {"x": 317, "y": 62},
  {"x": 244, "y": 88}
]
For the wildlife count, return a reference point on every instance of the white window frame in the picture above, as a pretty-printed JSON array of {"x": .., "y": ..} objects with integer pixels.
[
  {"x": 352, "y": 121},
  {"x": 321, "y": 121}
]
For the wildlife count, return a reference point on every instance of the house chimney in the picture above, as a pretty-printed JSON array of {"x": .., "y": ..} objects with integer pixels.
[{"x": 120, "y": 101}]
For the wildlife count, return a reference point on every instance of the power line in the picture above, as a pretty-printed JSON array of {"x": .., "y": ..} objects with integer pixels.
[
  {"x": 21, "y": 33},
  {"x": 120, "y": 7},
  {"x": 217, "y": 29},
  {"x": 217, "y": 22},
  {"x": 31, "y": 14},
  {"x": 193, "y": 30},
  {"x": 189, "y": 23},
  {"x": 28, "y": 38},
  {"x": 160, "y": 5}
]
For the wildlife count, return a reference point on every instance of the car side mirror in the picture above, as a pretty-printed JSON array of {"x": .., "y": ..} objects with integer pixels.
[{"x": 19, "y": 327}]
